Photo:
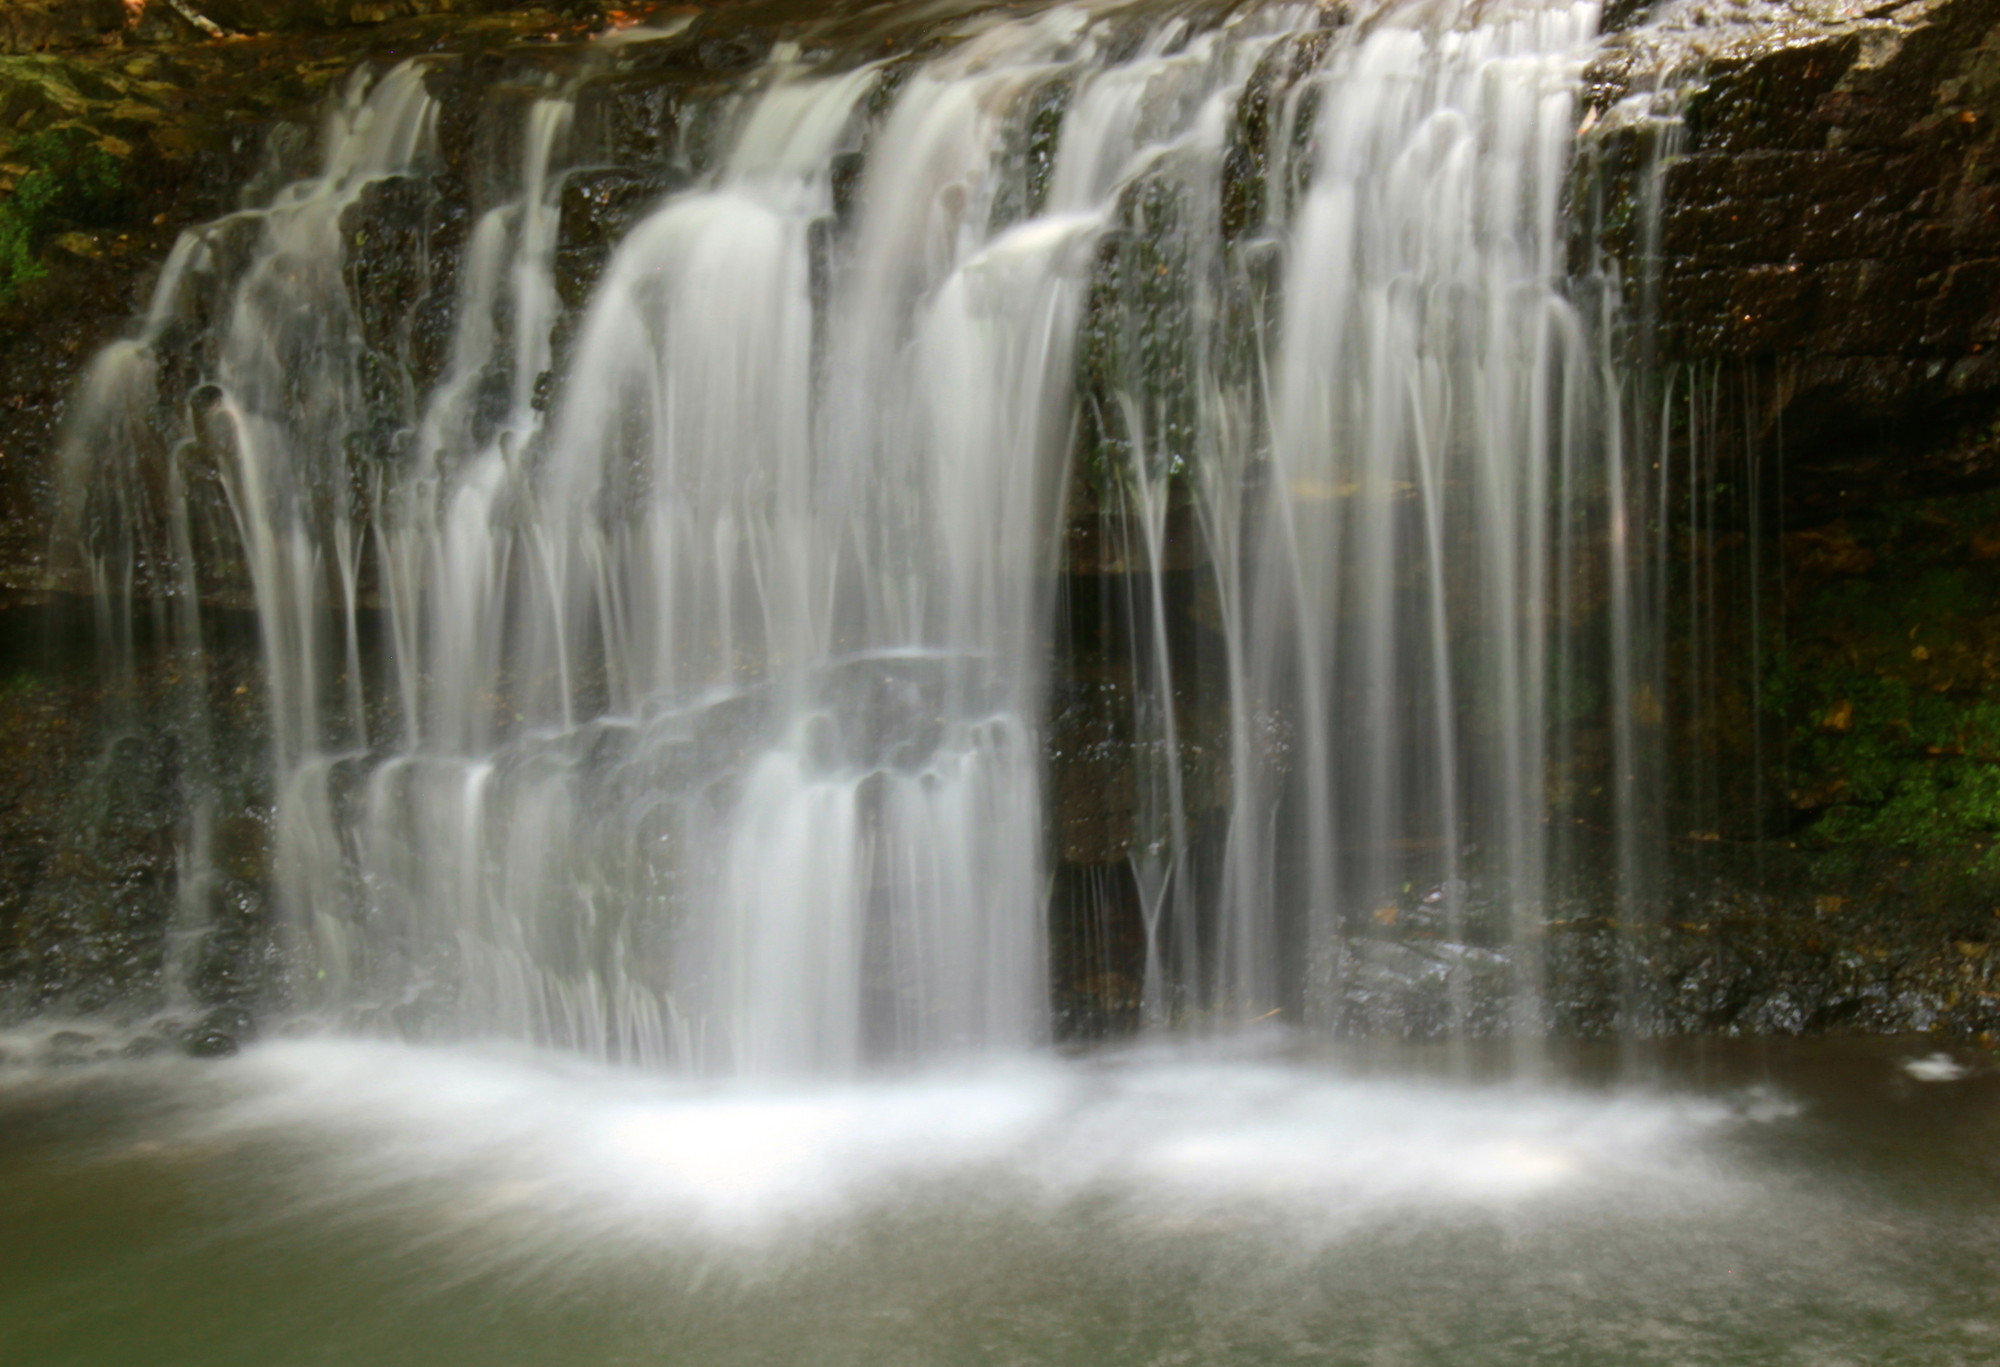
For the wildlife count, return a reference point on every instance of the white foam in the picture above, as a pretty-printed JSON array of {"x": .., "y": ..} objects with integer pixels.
[
  {"x": 1935, "y": 1068},
  {"x": 532, "y": 1148}
]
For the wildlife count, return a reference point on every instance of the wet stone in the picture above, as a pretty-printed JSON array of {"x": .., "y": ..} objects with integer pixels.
[
  {"x": 388, "y": 256},
  {"x": 69, "y": 1047},
  {"x": 144, "y": 1047},
  {"x": 599, "y": 207},
  {"x": 218, "y": 1034}
]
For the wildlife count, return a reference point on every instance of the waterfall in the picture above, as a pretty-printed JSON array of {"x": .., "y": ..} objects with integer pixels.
[{"x": 661, "y": 670}]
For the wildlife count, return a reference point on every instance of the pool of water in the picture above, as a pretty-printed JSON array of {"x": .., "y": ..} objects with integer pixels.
[{"x": 324, "y": 1202}]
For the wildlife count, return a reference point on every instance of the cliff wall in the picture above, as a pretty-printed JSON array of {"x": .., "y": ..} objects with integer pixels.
[{"x": 1825, "y": 290}]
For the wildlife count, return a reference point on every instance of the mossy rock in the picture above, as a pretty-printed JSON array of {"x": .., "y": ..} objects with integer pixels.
[
  {"x": 67, "y": 179},
  {"x": 1888, "y": 680}
]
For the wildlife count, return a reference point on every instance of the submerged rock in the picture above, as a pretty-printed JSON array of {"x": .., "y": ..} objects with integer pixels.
[{"x": 219, "y": 1034}]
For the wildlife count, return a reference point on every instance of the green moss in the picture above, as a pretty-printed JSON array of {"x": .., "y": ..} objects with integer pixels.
[
  {"x": 1906, "y": 767},
  {"x": 70, "y": 181},
  {"x": 1888, "y": 681}
]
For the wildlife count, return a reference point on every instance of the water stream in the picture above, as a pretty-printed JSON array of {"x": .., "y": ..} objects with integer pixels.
[
  {"x": 339, "y": 1202},
  {"x": 675, "y": 545},
  {"x": 662, "y": 675}
]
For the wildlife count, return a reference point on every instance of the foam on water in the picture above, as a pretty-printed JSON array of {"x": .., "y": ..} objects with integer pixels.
[
  {"x": 321, "y": 1202},
  {"x": 528, "y": 1154}
]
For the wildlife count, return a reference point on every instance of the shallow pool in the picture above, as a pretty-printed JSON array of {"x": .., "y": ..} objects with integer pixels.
[{"x": 319, "y": 1202}]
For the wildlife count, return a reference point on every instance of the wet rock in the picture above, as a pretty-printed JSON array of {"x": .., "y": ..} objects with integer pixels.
[
  {"x": 723, "y": 53},
  {"x": 93, "y": 808},
  {"x": 599, "y": 207},
  {"x": 388, "y": 258},
  {"x": 1827, "y": 223},
  {"x": 218, "y": 1034},
  {"x": 1091, "y": 764},
  {"x": 144, "y": 1047},
  {"x": 1394, "y": 990},
  {"x": 68, "y": 1047},
  {"x": 229, "y": 959},
  {"x": 42, "y": 25},
  {"x": 1246, "y": 193}
]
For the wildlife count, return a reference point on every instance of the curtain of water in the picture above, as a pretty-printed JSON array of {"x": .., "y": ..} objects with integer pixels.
[
  {"x": 673, "y": 691},
  {"x": 1393, "y": 428}
]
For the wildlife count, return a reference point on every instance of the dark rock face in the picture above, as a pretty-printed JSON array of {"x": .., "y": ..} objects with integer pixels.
[
  {"x": 1828, "y": 286},
  {"x": 39, "y": 25},
  {"x": 100, "y": 769},
  {"x": 282, "y": 16},
  {"x": 1831, "y": 222},
  {"x": 67, "y": 25}
]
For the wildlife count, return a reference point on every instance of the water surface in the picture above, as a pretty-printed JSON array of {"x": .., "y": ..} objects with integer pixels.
[{"x": 316, "y": 1202}]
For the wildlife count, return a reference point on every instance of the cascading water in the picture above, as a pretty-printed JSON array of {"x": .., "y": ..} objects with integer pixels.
[
  {"x": 1391, "y": 458},
  {"x": 664, "y": 678},
  {"x": 775, "y": 548}
]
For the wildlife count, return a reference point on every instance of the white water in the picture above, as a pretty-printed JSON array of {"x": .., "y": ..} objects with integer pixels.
[
  {"x": 525, "y": 1152},
  {"x": 697, "y": 720},
  {"x": 344, "y": 1202}
]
